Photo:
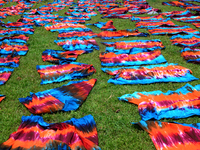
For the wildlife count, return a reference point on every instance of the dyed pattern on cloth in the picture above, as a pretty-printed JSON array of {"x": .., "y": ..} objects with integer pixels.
[
  {"x": 18, "y": 25},
  {"x": 76, "y": 34},
  {"x": 59, "y": 73},
  {"x": 186, "y": 40},
  {"x": 2, "y": 97},
  {"x": 105, "y": 25},
  {"x": 34, "y": 133},
  {"x": 181, "y": 103},
  {"x": 67, "y": 27},
  {"x": 168, "y": 136},
  {"x": 105, "y": 35},
  {"x": 66, "y": 98},
  {"x": 191, "y": 55},
  {"x": 127, "y": 45},
  {"x": 148, "y": 19},
  {"x": 149, "y": 74},
  {"x": 20, "y": 48},
  {"x": 78, "y": 44},
  {"x": 60, "y": 57},
  {"x": 16, "y": 31},
  {"x": 10, "y": 60},
  {"x": 5, "y": 74},
  {"x": 196, "y": 24},
  {"x": 153, "y": 24},
  {"x": 114, "y": 59},
  {"x": 163, "y": 30}
]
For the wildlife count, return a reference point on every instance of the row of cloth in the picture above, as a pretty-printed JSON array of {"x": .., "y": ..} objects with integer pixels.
[
  {"x": 182, "y": 103},
  {"x": 75, "y": 133}
]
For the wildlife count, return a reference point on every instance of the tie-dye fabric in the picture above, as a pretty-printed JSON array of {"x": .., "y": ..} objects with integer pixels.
[
  {"x": 35, "y": 133},
  {"x": 148, "y": 44},
  {"x": 20, "y": 48},
  {"x": 2, "y": 97},
  {"x": 105, "y": 25},
  {"x": 59, "y": 73},
  {"x": 67, "y": 27},
  {"x": 176, "y": 13},
  {"x": 181, "y": 103},
  {"x": 196, "y": 24},
  {"x": 170, "y": 30},
  {"x": 10, "y": 60},
  {"x": 176, "y": 136},
  {"x": 5, "y": 74},
  {"x": 76, "y": 34},
  {"x": 186, "y": 40},
  {"x": 149, "y": 74},
  {"x": 106, "y": 35},
  {"x": 121, "y": 10},
  {"x": 79, "y": 14},
  {"x": 191, "y": 19},
  {"x": 119, "y": 16},
  {"x": 114, "y": 59},
  {"x": 22, "y": 38},
  {"x": 66, "y": 98},
  {"x": 191, "y": 55},
  {"x": 60, "y": 57},
  {"x": 147, "y": 19},
  {"x": 16, "y": 31},
  {"x": 18, "y": 25},
  {"x": 78, "y": 44},
  {"x": 153, "y": 24}
]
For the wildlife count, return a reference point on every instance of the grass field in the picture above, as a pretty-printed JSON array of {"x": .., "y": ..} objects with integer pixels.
[{"x": 112, "y": 116}]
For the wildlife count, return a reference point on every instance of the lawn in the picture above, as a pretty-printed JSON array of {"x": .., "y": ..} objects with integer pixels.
[{"x": 113, "y": 117}]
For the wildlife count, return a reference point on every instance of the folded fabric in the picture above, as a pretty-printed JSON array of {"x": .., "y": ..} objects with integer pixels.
[
  {"x": 191, "y": 55},
  {"x": 35, "y": 133},
  {"x": 18, "y": 25},
  {"x": 66, "y": 27},
  {"x": 170, "y": 30},
  {"x": 186, "y": 40},
  {"x": 5, "y": 74},
  {"x": 16, "y": 31},
  {"x": 78, "y": 44},
  {"x": 148, "y": 18},
  {"x": 149, "y": 74},
  {"x": 191, "y": 19},
  {"x": 196, "y": 24},
  {"x": 150, "y": 44},
  {"x": 105, "y": 25},
  {"x": 114, "y": 59},
  {"x": 19, "y": 37},
  {"x": 157, "y": 105},
  {"x": 60, "y": 57},
  {"x": 66, "y": 98},
  {"x": 105, "y": 35},
  {"x": 59, "y": 73},
  {"x": 10, "y": 60},
  {"x": 2, "y": 97},
  {"x": 119, "y": 16},
  {"x": 176, "y": 13},
  {"x": 76, "y": 34},
  {"x": 172, "y": 135},
  {"x": 154, "y": 24},
  {"x": 20, "y": 49}
]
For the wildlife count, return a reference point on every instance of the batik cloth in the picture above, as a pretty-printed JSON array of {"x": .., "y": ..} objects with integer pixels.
[
  {"x": 191, "y": 54},
  {"x": 66, "y": 98},
  {"x": 143, "y": 58},
  {"x": 186, "y": 40},
  {"x": 10, "y": 60},
  {"x": 35, "y": 133},
  {"x": 182, "y": 103},
  {"x": 176, "y": 136},
  {"x": 19, "y": 48},
  {"x": 76, "y": 34},
  {"x": 5, "y": 74},
  {"x": 105, "y": 25},
  {"x": 2, "y": 97},
  {"x": 60, "y": 57},
  {"x": 78, "y": 44},
  {"x": 106, "y": 35},
  {"x": 149, "y": 74},
  {"x": 59, "y": 73}
]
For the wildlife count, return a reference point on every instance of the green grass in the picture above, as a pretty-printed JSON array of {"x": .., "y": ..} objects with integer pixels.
[{"x": 114, "y": 129}]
